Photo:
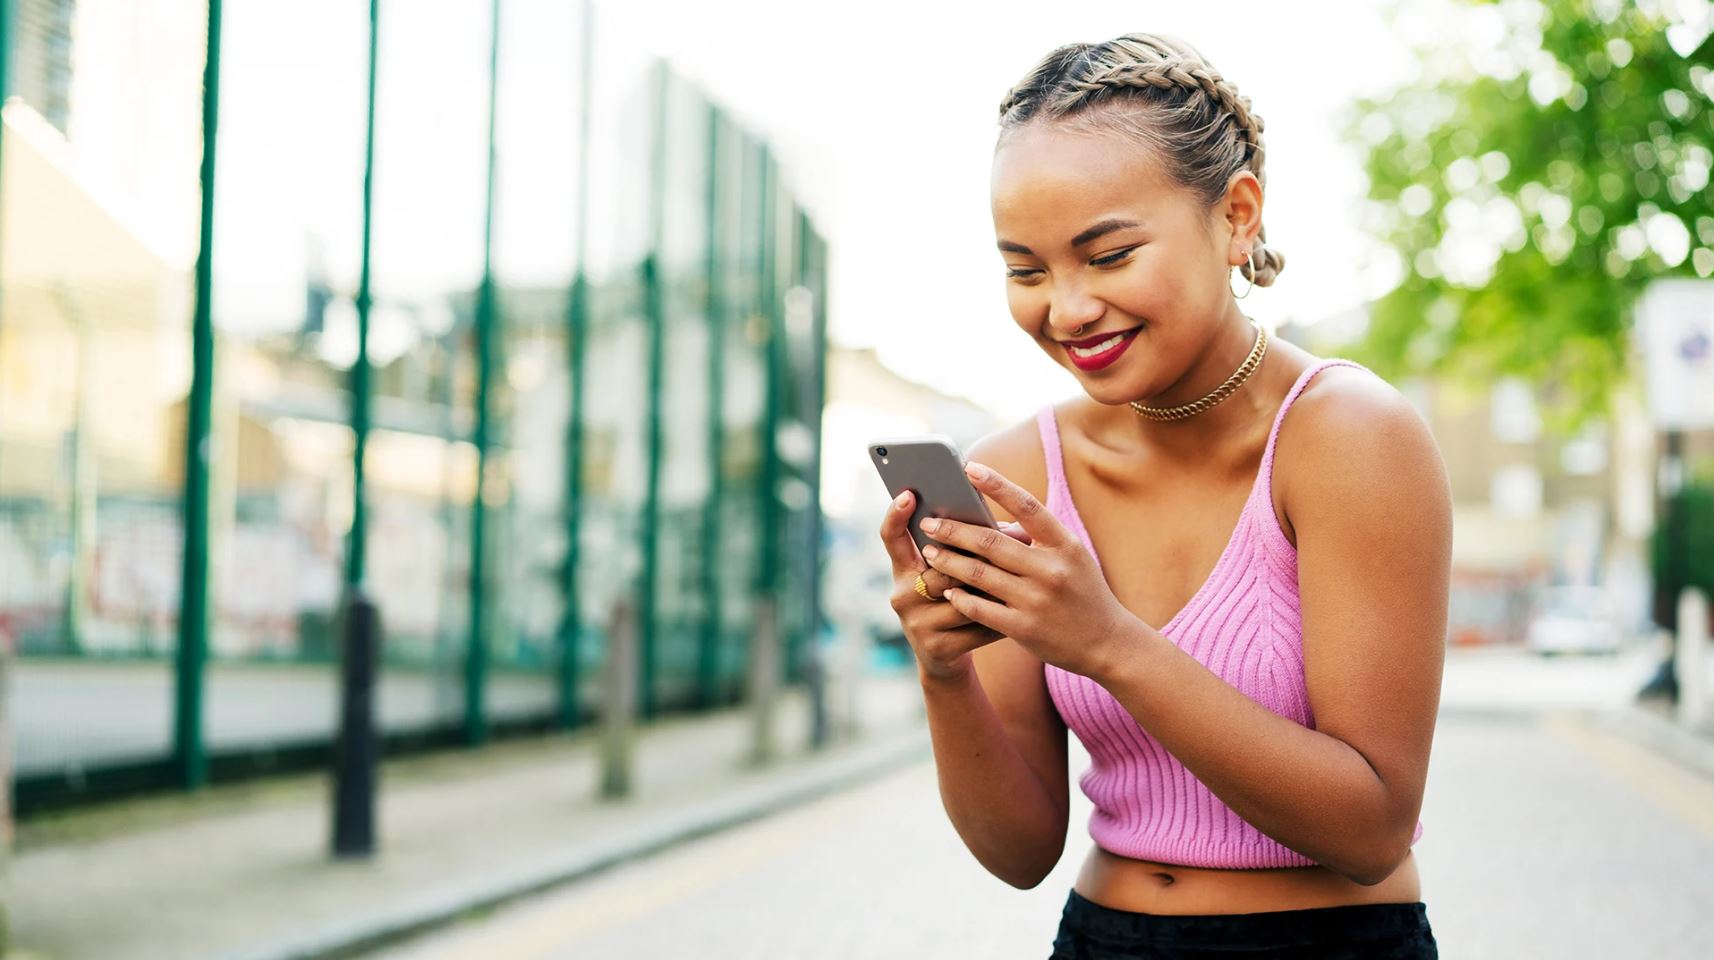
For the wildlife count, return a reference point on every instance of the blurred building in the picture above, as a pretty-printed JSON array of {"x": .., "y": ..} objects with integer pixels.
[
  {"x": 41, "y": 74},
  {"x": 1531, "y": 508}
]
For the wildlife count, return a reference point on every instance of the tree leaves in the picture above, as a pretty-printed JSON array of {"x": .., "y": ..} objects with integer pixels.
[{"x": 1534, "y": 192}]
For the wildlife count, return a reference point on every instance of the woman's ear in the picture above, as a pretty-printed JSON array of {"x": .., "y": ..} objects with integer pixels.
[{"x": 1242, "y": 207}]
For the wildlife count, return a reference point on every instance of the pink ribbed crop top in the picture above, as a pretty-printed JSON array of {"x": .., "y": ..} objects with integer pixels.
[{"x": 1245, "y": 625}]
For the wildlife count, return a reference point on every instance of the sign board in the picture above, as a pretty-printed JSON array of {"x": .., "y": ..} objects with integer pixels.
[{"x": 1675, "y": 326}]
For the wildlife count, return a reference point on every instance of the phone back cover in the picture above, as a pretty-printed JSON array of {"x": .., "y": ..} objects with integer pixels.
[{"x": 933, "y": 468}]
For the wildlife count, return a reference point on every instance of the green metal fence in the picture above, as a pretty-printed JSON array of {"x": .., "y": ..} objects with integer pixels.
[{"x": 475, "y": 310}]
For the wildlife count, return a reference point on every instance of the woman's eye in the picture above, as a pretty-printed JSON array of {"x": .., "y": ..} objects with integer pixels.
[
  {"x": 1112, "y": 258},
  {"x": 1021, "y": 273}
]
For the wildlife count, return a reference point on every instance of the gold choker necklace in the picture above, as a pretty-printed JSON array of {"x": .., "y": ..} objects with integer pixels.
[{"x": 1219, "y": 393}]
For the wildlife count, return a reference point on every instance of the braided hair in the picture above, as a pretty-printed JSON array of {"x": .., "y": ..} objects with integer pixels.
[{"x": 1163, "y": 93}]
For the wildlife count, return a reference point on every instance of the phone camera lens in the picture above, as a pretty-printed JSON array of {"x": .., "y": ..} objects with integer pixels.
[{"x": 881, "y": 451}]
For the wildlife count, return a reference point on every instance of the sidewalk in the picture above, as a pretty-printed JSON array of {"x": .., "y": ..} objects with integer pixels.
[{"x": 243, "y": 871}]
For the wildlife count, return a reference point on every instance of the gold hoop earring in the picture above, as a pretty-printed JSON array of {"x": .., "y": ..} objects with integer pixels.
[{"x": 1250, "y": 278}]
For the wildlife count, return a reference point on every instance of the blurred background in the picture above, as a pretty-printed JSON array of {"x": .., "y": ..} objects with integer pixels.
[{"x": 552, "y": 333}]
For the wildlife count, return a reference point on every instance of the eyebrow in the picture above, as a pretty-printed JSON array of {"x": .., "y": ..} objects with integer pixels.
[
  {"x": 1093, "y": 232},
  {"x": 1101, "y": 229}
]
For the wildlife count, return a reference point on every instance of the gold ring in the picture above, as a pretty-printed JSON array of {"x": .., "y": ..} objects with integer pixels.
[{"x": 922, "y": 589}]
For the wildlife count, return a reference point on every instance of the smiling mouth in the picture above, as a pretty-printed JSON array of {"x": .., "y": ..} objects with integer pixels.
[
  {"x": 1094, "y": 348},
  {"x": 1097, "y": 349}
]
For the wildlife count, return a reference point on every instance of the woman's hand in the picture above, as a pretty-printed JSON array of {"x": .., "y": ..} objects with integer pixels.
[
  {"x": 1047, "y": 594},
  {"x": 939, "y": 635}
]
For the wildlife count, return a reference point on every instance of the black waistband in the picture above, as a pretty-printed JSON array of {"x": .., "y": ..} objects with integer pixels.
[{"x": 1356, "y": 922}]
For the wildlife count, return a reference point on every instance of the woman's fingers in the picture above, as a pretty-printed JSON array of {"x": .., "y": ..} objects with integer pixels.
[
  {"x": 896, "y": 534},
  {"x": 937, "y": 582},
  {"x": 1016, "y": 531},
  {"x": 977, "y": 571},
  {"x": 1043, "y": 527}
]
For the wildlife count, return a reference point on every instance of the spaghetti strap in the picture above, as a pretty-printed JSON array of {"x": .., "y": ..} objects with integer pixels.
[
  {"x": 1049, "y": 426},
  {"x": 1267, "y": 467}
]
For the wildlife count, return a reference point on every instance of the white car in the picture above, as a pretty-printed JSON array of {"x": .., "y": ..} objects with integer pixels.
[{"x": 1573, "y": 620}]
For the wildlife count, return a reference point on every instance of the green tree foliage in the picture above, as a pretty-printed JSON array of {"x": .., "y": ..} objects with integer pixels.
[{"x": 1533, "y": 179}]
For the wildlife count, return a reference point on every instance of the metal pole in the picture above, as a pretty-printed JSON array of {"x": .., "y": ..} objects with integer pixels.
[
  {"x": 487, "y": 337},
  {"x": 189, "y": 758},
  {"x": 654, "y": 314},
  {"x": 810, "y": 275},
  {"x": 5, "y": 91},
  {"x": 577, "y": 324},
  {"x": 357, "y": 748},
  {"x": 708, "y": 648},
  {"x": 356, "y": 555},
  {"x": 6, "y": 651},
  {"x": 765, "y": 649}
]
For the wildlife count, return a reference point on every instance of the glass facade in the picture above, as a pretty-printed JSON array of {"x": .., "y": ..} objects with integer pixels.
[{"x": 651, "y": 347}]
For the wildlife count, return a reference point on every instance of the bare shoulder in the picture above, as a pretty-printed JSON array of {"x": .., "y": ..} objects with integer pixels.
[
  {"x": 1016, "y": 453},
  {"x": 1352, "y": 438}
]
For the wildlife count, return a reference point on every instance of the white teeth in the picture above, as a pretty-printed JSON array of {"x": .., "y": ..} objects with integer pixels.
[{"x": 1101, "y": 347}]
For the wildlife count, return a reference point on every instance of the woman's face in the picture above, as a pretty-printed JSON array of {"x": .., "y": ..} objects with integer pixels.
[{"x": 1094, "y": 236}]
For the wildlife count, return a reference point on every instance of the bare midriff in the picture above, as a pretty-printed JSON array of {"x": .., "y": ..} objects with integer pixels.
[{"x": 1143, "y": 886}]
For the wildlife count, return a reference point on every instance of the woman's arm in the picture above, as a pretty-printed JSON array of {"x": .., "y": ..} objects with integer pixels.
[
  {"x": 999, "y": 743},
  {"x": 1000, "y": 756},
  {"x": 1366, "y": 492}
]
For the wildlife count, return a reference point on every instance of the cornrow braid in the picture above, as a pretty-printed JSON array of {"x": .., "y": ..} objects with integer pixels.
[
  {"x": 1195, "y": 120},
  {"x": 1171, "y": 75}
]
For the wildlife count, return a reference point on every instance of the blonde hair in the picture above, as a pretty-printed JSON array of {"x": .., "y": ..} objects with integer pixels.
[{"x": 1162, "y": 93}]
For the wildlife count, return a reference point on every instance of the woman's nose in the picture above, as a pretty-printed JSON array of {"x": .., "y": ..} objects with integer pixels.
[{"x": 1071, "y": 311}]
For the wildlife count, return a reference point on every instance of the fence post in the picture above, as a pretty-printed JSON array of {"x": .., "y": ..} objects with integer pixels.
[
  {"x": 487, "y": 346},
  {"x": 189, "y": 754},
  {"x": 1691, "y": 648},
  {"x": 5, "y": 634},
  {"x": 577, "y": 326}
]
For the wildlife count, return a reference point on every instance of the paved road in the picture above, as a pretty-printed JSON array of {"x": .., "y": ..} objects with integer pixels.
[{"x": 1544, "y": 837}]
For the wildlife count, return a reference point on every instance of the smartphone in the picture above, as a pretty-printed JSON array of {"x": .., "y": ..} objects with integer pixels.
[{"x": 932, "y": 467}]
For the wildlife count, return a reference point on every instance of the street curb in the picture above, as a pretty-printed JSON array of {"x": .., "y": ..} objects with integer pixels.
[
  {"x": 445, "y": 905},
  {"x": 1664, "y": 736}
]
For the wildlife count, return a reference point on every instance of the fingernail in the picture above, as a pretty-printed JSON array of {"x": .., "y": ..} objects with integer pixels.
[
  {"x": 899, "y": 501},
  {"x": 929, "y": 552},
  {"x": 976, "y": 471},
  {"x": 930, "y": 525}
]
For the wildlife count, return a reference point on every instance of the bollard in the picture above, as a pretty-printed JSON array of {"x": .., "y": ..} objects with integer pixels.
[
  {"x": 764, "y": 683},
  {"x": 357, "y": 747},
  {"x": 619, "y": 700},
  {"x": 1692, "y": 646},
  {"x": 815, "y": 676},
  {"x": 6, "y": 652},
  {"x": 855, "y": 651}
]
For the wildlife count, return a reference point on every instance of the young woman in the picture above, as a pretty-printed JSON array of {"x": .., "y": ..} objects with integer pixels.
[{"x": 1227, "y": 562}]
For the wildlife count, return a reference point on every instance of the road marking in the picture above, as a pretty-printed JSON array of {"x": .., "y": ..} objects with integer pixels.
[{"x": 1681, "y": 792}]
